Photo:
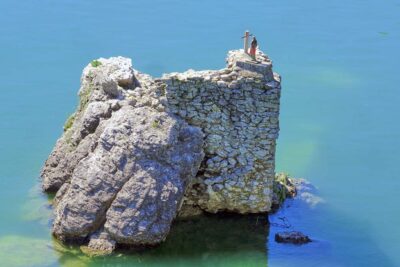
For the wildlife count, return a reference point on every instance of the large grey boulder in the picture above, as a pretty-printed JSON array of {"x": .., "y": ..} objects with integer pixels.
[{"x": 134, "y": 180}]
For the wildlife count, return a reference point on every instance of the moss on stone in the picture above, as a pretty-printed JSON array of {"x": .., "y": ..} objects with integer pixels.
[
  {"x": 282, "y": 187},
  {"x": 282, "y": 178},
  {"x": 155, "y": 124},
  {"x": 69, "y": 122},
  {"x": 84, "y": 97},
  {"x": 94, "y": 252}
]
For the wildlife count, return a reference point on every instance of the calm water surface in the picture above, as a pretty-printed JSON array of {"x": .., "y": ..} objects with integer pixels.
[{"x": 340, "y": 127}]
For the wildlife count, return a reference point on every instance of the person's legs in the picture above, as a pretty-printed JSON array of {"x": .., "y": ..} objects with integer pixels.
[{"x": 253, "y": 53}]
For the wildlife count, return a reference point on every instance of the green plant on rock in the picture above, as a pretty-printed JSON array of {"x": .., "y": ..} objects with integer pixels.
[
  {"x": 280, "y": 192},
  {"x": 280, "y": 184},
  {"x": 155, "y": 124},
  {"x": 84, "y": 97},
  {"x": 95, "y": 63},
  {"x": 282, "y": 178},
  {"x": 69, "y": 122}
]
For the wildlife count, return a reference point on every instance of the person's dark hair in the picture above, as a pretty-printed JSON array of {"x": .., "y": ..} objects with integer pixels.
[{"x": 254, "y": 42}]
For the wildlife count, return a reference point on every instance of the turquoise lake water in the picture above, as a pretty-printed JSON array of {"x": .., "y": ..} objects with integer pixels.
[{"x": 340, "y": 127}]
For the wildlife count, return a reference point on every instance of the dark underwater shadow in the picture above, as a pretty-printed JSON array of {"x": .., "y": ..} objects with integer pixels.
[
  {"x": 209, "y": 240},
  {"x": 221, "y": 233}
]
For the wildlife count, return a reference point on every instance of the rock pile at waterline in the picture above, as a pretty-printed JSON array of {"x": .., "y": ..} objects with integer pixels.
[{"x": 139, "y": 151}]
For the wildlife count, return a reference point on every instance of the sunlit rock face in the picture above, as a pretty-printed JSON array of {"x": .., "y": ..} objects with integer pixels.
[{"x": 140, "y": 151}]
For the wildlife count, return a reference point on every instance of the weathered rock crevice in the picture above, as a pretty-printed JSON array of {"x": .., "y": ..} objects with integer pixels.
[{"x": 139, "y": 151}]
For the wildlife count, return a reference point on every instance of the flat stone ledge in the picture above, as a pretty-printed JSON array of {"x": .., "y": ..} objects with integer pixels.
[
  {"x": 262, "y": 64},
  {"x": 264, "y": 69}
]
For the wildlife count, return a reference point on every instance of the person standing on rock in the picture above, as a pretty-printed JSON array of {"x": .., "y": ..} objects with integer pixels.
[{"x": 253, "y": 48}]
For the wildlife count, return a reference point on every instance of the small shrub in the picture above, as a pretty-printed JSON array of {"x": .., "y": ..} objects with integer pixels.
[
  {"x": 280, "y": 187},
  {"x": 95, "y": 63}
]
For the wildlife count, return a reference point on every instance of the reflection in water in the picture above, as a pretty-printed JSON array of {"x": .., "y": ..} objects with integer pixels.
[
  {"x": 217, "y": 234},
  {"x": 212, "y": 240}
]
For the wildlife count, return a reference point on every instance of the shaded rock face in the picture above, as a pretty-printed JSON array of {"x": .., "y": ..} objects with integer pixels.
[{"x": 139, "y": 150}]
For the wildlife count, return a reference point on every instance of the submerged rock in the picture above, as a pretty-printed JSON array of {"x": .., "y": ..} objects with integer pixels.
[
  {"x": 293, "y": 237},
  {"x": 303, "y": 198},
  {"x": 139, "y": 151},
  {"x": 100, "y": 244}
]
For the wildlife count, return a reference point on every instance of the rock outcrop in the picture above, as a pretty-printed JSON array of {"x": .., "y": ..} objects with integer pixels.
[
  {"x": 139, "y": 150},
  {"x": 293, "y": 237},
  {"x": 284, "y": 187}
]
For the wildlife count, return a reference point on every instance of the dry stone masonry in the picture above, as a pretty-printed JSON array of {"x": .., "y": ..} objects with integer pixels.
[
  {"x": 237, "y": 108},
  {"x": 140, "y": 151}
]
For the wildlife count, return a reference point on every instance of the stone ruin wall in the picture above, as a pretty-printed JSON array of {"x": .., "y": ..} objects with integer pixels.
[{"x": 237, "y": 108}]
